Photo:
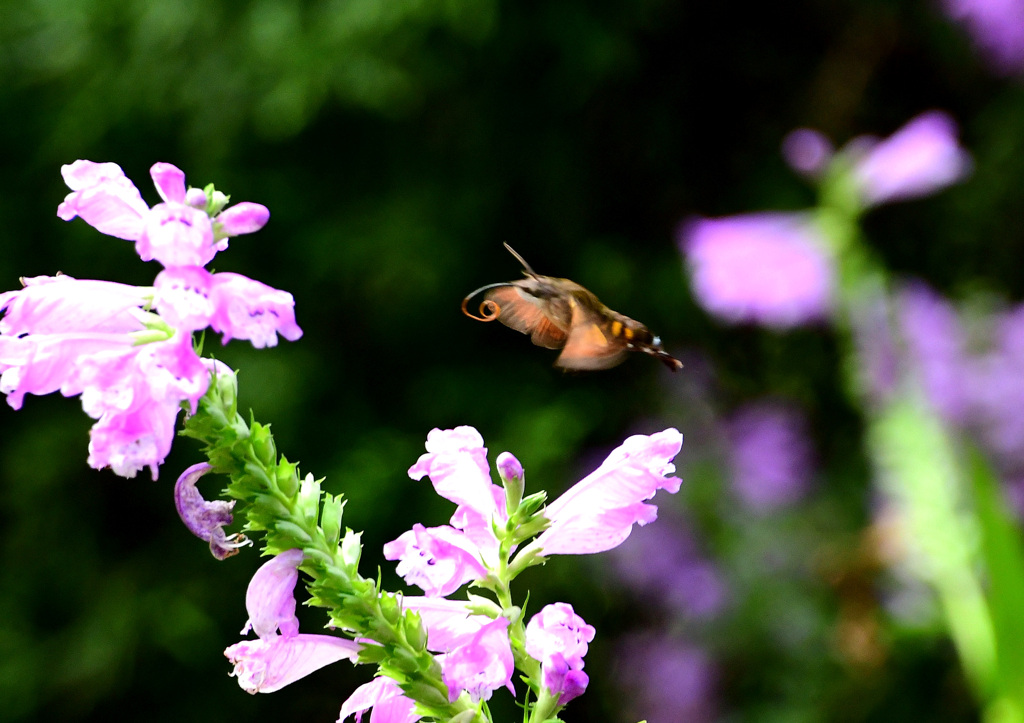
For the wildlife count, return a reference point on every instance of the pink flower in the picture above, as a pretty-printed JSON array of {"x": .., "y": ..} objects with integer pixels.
[
  {"x": 133, "y": 368},
  {"x": 558, "y": 637},
  {"x": 456, "y": 462},
  {"x": 599, "y": 511},
  {"x": 103, "y": 197},
  {"x": 136, "y": 394},
  {"x": 387, "y": 700},
  {"x": 41, "y": 363},
  {"x": 557, "y": 629},
  {"x": 263, "y": 666},
  {"x": 182, "y": 296},
  {"x": 509, "y": 467},
  {"x": 281, "y": 655},
  {"x": 130, "y": 441},
  {"x": 61, "y": 304},
  {"x": 439, "y": 560},
  {"x": 768, "y": 268},
  {"x": 243, "y": 218},
  {"x": 270, "y": 597},
  {"x": 176, "y": 235},
  {"x": 562, "y": 680},
  {"x": 481, "y": 664},
  {"x": 770, "y": 456},
  {"x": 449, "y": 623},
  {"x": 475, "y": 654},
  {"x": 248, "y": 309},
  {"x": 79, "y": 337},
  {"x": 175, "y": 232}
]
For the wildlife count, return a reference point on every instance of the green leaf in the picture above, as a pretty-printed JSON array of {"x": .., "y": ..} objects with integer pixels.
[{"x": 1004, "y": 561}]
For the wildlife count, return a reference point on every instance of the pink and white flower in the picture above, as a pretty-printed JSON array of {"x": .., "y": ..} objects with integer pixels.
[
  {"x": 599, "y": 511},
  {"x": 281, "y": 655},
  {"x": 174, "y": 232},
  {"x": 386, "y": 699}
]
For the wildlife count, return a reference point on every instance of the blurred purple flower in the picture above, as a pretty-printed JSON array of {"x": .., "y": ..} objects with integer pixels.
[
  {"x": 997, "y": 28},
  {"x": 767, "y": 268},
  {"x": 996, "y": 392},
  {"x": 770, "y": 456},
  {"x": 807, "y": 151},
  {"x": 935, "y": 346},
  {"x": 667, "y": 681},
  {"x": 878, "y": 361},
  {"x": 918, "y": 159},
  {"x": 662, "y": 562}
]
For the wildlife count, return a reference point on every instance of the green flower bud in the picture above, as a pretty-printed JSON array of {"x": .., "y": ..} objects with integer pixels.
[
  {"x": 330, "y": 519},
  {"x": 390, "y": 609},
  {"x": 415, "y": 632},
  {"x": 426, "y": 694},
  {"x": 263, "y": 446}
]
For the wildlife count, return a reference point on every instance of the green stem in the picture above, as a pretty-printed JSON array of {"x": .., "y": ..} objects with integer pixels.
[{"x": 288, "y": 513}]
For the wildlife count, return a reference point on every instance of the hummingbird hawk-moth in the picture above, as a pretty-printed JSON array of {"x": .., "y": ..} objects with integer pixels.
[{"x": 561, "y": 314}]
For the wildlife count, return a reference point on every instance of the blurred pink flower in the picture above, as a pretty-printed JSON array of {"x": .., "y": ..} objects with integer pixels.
[
  {"x": 917, "y": 160},
  {"x": 808, "y": 151},
  {"x": 767, "y": 268},
  {"x": 997, "y": 28}
]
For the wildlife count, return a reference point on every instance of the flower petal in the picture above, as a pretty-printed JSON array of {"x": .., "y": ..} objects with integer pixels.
[
  {"x": 598, "y": 512},
  {"x": 246, "y": 217},
  {"x": 263, "y": 666},
  {"x": 385, "y": 697},
  {"x": 270, "y": 597},
  {"x": 169, "y": 181}
]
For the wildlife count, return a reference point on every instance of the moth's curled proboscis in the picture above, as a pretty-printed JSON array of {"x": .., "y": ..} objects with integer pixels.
[{"x": 489, "y": 309}]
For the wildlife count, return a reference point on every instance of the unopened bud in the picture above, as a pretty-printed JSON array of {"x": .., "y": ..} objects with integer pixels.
[{"x": 513, "y": 478}]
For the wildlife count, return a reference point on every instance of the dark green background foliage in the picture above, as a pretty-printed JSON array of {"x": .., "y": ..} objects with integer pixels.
[{"x": 397, "y": 144}]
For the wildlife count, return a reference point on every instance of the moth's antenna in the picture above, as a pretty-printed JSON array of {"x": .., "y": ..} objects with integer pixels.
[{"x": 520, "y": 259}]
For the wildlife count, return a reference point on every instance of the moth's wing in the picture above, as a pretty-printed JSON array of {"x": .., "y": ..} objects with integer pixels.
[
  {"x": 526, "y": 313},
  {"x": 589, "y": 346}
]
